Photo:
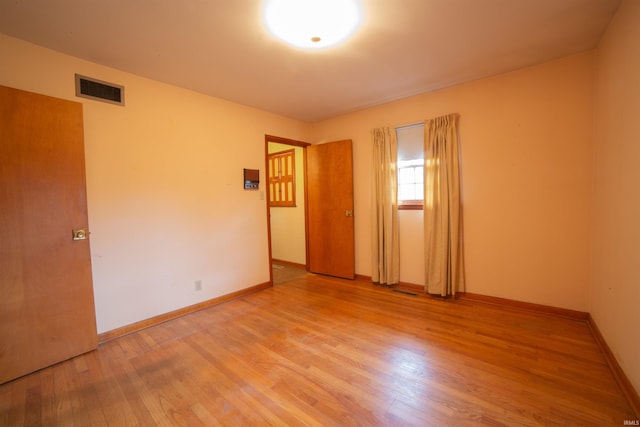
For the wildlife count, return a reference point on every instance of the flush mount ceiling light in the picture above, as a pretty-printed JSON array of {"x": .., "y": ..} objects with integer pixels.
[{"x": 312, "y": 24}]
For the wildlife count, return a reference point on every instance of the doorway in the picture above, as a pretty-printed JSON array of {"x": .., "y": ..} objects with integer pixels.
[
  {"x": 327, "y": 171},
  {"x": 286, "y": 207}
]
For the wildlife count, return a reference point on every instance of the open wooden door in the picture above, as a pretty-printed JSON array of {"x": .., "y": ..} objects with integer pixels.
[
  {"x": 46, "y": 294},
  {"x": 330, "y": 209}
]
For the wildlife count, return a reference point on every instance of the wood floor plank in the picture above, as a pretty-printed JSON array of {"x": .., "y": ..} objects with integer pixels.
[{"x": 322, "y": 351}]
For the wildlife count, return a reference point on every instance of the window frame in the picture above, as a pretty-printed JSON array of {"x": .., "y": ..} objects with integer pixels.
[
  {"x": 410, "y": 153},
  {"x": 410, "y": 204}
]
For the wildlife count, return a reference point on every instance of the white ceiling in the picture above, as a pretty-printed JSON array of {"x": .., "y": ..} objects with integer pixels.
[{"x": 221, "y": 47}]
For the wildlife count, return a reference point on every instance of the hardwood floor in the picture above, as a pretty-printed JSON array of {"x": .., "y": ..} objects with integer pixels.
[{"x": 329, "y": 352}]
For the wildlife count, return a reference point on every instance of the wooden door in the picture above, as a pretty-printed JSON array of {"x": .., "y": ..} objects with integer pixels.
[
  {"x": 46, "y": 294},
  {"x": 330, "y": 209}
]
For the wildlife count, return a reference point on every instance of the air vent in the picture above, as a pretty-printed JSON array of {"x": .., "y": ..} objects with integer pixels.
[{"x": 87, "y": 87}]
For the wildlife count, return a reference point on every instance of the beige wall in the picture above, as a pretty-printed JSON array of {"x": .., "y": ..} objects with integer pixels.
[
  {"x": 614, "y": 297},
  {"x": 288, "y": 242},
  {"x": 526, "y": 141},
  {"x": 165, "y": 186}
]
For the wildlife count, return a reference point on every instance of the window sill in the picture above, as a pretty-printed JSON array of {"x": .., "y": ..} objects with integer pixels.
[{"x": 410, "y": 207}]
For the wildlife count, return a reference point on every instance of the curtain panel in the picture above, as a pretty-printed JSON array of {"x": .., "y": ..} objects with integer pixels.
[
  {"x": 385, "y": 254},
  {"x": 444, "y": 265}
]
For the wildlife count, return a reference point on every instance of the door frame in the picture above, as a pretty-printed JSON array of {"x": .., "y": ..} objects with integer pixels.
[{"x": 293, "y": 143}]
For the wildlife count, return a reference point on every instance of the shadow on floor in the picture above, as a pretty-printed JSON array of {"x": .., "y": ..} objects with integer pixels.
[{"x": 284, "y": 273}]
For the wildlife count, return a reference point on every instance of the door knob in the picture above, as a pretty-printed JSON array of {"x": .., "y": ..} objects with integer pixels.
[
  {"x": 348, "y": 212},
  {"x": 79, "y": 234}
]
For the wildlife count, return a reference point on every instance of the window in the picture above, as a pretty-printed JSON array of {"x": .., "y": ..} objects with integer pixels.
[
  {"x": 410, "y": 166},
  {"x": 282, "y": 183},
  {"x": 411, "y": 182}
]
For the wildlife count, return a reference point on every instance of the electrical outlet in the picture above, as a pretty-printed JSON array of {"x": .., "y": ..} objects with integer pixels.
[{"x": 198, "y": 285}]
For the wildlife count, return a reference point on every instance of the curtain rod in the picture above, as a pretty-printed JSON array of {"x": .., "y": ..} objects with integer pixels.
[
  {"x": 409, "y": 125},
  {"x": 415, "y": 124}
]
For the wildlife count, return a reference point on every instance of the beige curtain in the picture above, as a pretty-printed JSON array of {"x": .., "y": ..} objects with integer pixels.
[
  {"x": 442, "y": 212},
  {"x": 385, "y": 259}
]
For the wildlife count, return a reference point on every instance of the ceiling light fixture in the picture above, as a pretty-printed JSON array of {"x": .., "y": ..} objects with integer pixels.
[{"x": 312, "y": 24}]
